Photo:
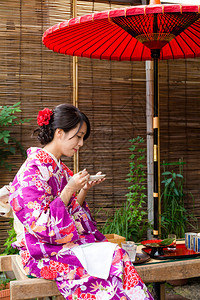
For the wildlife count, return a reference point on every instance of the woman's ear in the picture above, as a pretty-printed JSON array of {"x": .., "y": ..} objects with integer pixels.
[{"x": 59, "y": 133}]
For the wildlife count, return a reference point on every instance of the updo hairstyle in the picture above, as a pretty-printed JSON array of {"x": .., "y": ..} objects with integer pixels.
[{"x": 65, "y": 117}]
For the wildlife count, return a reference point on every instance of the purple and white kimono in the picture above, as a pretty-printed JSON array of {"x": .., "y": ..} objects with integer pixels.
[{"x": 52, "y": 230}]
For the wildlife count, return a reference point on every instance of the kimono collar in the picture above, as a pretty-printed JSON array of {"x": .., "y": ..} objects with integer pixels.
[
  {"x": 57, "y": 161},
  {"x": 34, "y": 150}
]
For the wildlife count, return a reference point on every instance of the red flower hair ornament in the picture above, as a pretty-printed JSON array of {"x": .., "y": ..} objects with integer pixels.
[{"x": 44, "y": 116}]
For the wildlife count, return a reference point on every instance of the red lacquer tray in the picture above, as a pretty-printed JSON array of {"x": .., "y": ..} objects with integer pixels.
[
  {"x": 148, "y": 243},
  {"x": 180, "y": 252}
]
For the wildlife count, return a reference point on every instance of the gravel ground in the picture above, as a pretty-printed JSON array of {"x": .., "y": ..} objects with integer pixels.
[{"x": 188, "y": 291}]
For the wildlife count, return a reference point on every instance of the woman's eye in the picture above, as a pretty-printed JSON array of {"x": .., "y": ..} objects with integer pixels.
[{"x": 79, "y": 137}]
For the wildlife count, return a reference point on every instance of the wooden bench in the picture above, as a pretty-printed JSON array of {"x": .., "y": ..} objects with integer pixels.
[
  {"x": 28, "y": 288},
  {"x": 24, "y": 287}
]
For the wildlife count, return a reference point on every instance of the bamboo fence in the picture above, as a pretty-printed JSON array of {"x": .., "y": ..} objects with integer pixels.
[{"x": 112, "y": 94}]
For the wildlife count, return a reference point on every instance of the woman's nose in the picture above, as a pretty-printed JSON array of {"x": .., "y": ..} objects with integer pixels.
[{"x": 80, "y": 142}]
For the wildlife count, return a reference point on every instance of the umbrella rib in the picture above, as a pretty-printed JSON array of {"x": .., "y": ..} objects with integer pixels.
[
  {"x": 171, "y": 50},
  {"x": 125, "y": 48},
  {"x": 190, "y": 37},
  {"x": 133, "y": 49},
  {"x": 62, "y": 34},
  {"x": 187, "y": 42},
  {"x": 92, "y": 45},
  {"x": 106, "y": 48},
  {"x": 85, "y": 41},
  {"x": 101, "y": 46},
  {"x": 189, "y": 29},
  {"x": 80, "y": 39},
  {"x": 180, "y": 46},
  {"x": 115, "y": 48},
  {"x": 142, "y": 53}
]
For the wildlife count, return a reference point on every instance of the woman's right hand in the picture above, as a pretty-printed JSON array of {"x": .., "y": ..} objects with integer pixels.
[
  {"x": 78, "y": 181},
  {"x": 75, "y": 183}
]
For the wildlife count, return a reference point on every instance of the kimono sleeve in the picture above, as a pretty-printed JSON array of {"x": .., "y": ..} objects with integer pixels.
[{"x": 42, "y": 211}]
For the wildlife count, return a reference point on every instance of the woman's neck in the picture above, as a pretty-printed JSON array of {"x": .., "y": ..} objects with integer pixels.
[{"x": 52, "y": 150}]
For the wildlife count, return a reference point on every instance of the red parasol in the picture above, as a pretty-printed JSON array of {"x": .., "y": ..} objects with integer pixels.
[
  {"x": 146, "y": 32},
  {"x": 131, "y": 33}
]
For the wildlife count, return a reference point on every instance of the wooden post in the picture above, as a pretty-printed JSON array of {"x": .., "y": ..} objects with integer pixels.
[
  {"x": 75, "y": 88},
  {"x": 149, "y": 126}
]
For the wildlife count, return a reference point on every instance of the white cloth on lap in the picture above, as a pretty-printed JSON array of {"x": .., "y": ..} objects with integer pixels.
[
  {"x": 7, "y": 212},
  {"x": 96, "y": 258},
  {"x": 5, "y": 208}
]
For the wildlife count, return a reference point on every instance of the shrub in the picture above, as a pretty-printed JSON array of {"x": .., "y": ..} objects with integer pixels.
[
  {"x": 130, "y": 220},
  {"x": 8, "y": 143}
]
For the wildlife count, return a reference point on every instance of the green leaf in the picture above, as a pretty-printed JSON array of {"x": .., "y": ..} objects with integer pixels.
[
  {"x": 179, "y": 175},
  {"x": 166, "y": 173},
  {"x": 5, "y": 140},
  {"x": 174, "y": 175},
  {"x": 176, "y": 192},
  {"x": 168, "y": 181}
]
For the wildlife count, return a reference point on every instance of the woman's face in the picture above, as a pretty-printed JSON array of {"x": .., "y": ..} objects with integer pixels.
[{"x": 67, "y": 143}]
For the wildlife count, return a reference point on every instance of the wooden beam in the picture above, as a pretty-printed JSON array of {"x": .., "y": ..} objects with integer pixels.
[
  {"x": 17, "y": 268},
  {"x": 33, "y": 288},
  {"x": 6, "y": 263},
  {"x": 160, "y": 272}
]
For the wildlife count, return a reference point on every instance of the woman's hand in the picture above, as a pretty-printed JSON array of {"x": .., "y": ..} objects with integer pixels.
[
  {"x": 76, "y": 183},
  {"x": 90, "y": 184},
  {"x": 83, "y": 192}
]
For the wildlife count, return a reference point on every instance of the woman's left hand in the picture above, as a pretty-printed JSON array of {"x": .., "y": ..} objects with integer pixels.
[{"x": 90, "y": 184}]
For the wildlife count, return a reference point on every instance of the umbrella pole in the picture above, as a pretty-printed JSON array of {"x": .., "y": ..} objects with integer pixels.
[
  {"x": 155, "y": 56},
  {"x": 149, "y": 124}
]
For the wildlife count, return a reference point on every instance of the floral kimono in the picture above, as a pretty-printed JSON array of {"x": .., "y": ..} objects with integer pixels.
[{"x": 52, "y": 230}]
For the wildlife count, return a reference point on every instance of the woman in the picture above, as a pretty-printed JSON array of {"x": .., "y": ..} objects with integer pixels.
[{"x": 60, "y": 237}]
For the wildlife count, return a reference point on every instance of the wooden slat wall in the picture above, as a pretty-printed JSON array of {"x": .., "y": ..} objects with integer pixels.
[
  {"x": 116, "y": 108},
  {"x": 29, "y": 72},
  {"x": 180, "y": 125},
  {"x": 112, "y": 94}
]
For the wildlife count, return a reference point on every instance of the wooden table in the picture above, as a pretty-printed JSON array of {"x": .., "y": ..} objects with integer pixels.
[
  {"x": 160, "y": 271},
  {"x": 156, "y": 271}
]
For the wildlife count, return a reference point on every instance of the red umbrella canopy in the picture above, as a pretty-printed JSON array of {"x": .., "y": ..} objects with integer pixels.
[{"x": 131, "y": 33}]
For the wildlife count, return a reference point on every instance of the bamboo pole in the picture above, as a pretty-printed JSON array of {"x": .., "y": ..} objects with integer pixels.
[{"x": 75, "y": 88}]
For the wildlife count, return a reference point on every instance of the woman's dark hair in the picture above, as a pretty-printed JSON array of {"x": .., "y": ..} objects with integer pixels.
[{"x": 66, "y": 117}]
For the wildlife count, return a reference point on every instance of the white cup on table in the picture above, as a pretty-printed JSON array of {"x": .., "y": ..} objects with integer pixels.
[{"x": 130, "y": 247}]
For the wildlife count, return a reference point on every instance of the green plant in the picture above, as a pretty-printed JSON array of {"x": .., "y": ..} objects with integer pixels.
[
  {"x": 9, "y": 144},
  {"x": 175, "y": 217},
  {"x": 4, "y": 281},
  {"x": 10, "y": 239},
  {"x": 129, "y": 220}
]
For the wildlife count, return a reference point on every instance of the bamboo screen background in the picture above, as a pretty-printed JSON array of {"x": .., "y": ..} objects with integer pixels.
[{"x": 112, "y": 94}]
